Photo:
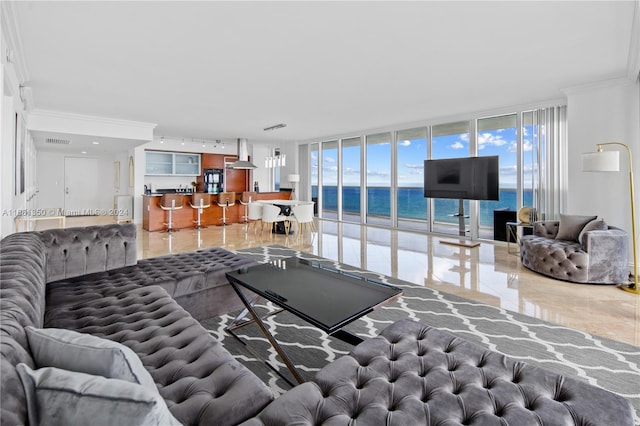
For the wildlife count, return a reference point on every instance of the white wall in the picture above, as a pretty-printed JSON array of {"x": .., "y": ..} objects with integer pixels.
[
  {"x": 51, "y": 180},
  {"x": 262, "y": 175},
  {"x": 11, "y": 103},
  {"x": 605, "y": 112}
]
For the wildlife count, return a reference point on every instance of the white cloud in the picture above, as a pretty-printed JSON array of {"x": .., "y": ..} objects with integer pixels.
[
  {"x": 377, "y": 173},
  {"x": 457, "y": 145},
  {"x": 414, "y": 166},
  {"x": 330, "y": 160},
  {"x": 490, "y": 139},
  {"x": 404, "y": 143}
]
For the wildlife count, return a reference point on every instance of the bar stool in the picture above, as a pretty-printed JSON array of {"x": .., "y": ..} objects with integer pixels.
[
  {"x": 171, "y": 202},
  {"x": 247, "y": 196},
  {"x": 200, "y": 201},
  {"x": 226, "y": 200}
]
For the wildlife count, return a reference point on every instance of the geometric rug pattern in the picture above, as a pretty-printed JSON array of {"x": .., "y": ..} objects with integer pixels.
[{"x": 603, "y": 362}]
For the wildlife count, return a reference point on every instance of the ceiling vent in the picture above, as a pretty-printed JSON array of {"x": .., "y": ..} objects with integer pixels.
[{"x": 58, "y": 141}]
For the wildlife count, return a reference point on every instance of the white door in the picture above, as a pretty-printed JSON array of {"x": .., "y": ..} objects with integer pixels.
[{"x": 81, "y": 186}]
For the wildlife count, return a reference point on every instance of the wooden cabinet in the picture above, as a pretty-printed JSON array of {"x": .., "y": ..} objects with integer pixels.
[{"x": 212, "y": 161}]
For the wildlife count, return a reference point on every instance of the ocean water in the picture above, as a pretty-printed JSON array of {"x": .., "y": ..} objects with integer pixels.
[{"x": 412, "y": 204}]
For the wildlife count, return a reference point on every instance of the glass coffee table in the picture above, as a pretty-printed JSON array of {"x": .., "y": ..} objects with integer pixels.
[{"x": 323, "y": 296}]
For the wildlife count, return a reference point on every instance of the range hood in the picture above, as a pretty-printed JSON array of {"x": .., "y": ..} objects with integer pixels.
[{"x": 243, "y": 157}]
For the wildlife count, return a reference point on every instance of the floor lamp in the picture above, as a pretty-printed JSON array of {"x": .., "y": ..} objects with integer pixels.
[
  {"x": 609, "y": 161},
  {"x": 293, "y": 180}
]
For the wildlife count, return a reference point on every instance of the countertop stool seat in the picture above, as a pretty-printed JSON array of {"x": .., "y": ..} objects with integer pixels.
[
  {"x": 226, "y": 200},
  {"x": 200, "y": 201},
  {"x": 247, "y": 197},
  {"x": 169, "y": 203}
]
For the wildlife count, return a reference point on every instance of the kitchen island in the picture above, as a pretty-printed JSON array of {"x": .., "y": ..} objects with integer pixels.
[{"x": 153, "y": 217}]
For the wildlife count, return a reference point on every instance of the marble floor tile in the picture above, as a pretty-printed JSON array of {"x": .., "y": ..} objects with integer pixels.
[{"x": 487, "y": 273}]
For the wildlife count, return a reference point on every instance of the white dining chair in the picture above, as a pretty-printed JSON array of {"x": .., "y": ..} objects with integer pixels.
[
  {"x": 254, "y": 215},
  {"x": 271, "y": 214},
  {"x": 303, "y": 214}
]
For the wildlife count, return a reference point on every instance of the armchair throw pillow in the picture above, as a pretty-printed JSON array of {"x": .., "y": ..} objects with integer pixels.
[
  {"x": 571, "y": 225},
  {"x": 594, "y": 225}
]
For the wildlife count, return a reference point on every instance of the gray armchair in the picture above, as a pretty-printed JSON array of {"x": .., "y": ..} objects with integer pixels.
[{"x": 596, "y": 257}]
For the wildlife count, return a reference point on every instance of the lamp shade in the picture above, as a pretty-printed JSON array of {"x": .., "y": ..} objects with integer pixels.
[
  {"x": 293, "y": 178},
  {"x": 603, "y": 161}
]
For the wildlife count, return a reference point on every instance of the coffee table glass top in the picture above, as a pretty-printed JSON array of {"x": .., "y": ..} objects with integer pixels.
[{"x": 326, "y": 297}]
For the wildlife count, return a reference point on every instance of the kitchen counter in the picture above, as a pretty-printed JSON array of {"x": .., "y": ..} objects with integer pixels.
[{"x": 153, "y": 217}]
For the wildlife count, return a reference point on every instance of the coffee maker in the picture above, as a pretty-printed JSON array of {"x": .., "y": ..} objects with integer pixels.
[{"x": 213, "y": 180}]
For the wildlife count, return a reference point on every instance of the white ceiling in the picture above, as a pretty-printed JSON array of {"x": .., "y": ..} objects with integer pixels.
[{"x": 223, "y": 70}]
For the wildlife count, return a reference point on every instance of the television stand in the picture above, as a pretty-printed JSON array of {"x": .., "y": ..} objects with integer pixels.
[{"x": 462, "y": 232}]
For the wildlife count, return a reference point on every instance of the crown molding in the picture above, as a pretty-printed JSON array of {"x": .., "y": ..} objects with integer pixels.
[
  {"x": 13, "y": 40},
  {"x": 601, "y": 84},
  {"x": 93, "y": 119}
]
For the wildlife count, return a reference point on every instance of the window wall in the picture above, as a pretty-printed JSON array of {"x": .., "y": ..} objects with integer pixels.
[
  {"x": 449, "y": 140},
  {"x": 411, "y": 148},
  {"x": 314, "y": 172},
  {"x": 330, "y": 179},
  {"x": 351, "y": 180},
  {"x": 378, "y": 178},
  {"x": 498, "y": 136}
]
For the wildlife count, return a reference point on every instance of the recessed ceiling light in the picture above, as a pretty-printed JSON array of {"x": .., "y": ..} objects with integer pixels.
[
  {"x": 83, "y": 152},
  {"x": 95, "y": 143}
]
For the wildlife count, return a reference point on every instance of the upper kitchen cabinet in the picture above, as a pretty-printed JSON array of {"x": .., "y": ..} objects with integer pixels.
[
  {"x": 186, "y": 164},
  {"x": 172, "y": 163}
]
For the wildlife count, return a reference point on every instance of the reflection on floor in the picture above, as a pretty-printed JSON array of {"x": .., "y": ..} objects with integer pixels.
[{"x": 487, "y": 273}]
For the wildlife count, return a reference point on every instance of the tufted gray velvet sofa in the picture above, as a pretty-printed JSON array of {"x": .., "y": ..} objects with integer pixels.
[
  {"x": 600, "y": 258},
  {"x": 88, "y": 280},
  {"x": 414, "y": 374},
  {"x": 411, "y": 374}
]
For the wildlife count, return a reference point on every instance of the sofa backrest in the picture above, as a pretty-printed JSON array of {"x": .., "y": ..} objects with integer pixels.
[
  {"x": 546, "y": 228},
  {"x": 22, "y": 303},
  {"x": 72, "y": 252}
]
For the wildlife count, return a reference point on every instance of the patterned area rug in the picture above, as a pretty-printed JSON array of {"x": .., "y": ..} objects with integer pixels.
[{"x": 612, "y": 365}]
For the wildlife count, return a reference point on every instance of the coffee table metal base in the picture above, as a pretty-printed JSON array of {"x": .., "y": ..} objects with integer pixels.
[{"x": 241, "y": 321}]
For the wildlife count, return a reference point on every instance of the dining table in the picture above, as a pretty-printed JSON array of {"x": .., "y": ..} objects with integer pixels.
[{"x": 285, "y": 209}]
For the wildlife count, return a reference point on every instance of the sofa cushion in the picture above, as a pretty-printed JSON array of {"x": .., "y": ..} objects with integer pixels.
[
  {"x": 200, "y": 380},
  {"x": 571, "y": 225},
  {"x": 56, "y": 396},
  {"x": 84, "y": 353},
  {"x": 196, "y": 280}
]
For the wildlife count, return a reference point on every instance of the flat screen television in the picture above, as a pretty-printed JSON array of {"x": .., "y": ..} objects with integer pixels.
[{"x": 468, "y": 178}]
